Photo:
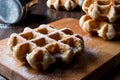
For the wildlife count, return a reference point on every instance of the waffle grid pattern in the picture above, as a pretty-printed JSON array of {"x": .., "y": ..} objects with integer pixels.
[
  {"x": 103, "y": 29},
  {"x": 61, "y": 4},
  {"x": 64, "y": 4},
  {"x": 43, "y": 46},
  {"x": 107, "y": 10}
]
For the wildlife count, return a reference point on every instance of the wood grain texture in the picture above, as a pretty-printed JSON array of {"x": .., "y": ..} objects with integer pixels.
[{"x": 99, "y": 57}]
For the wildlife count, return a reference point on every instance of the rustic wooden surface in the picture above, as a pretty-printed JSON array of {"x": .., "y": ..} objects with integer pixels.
[
  {"x": 93, "y": 63},
  {"x": 40, "y": 14}
]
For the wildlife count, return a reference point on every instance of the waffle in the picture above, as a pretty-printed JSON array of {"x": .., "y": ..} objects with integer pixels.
[
  {"x": 103, "y": 29},
  {"x": 107, "y": 10},
  {"x": 62, "y": 4},
  {"x": 45, "y": 45}
]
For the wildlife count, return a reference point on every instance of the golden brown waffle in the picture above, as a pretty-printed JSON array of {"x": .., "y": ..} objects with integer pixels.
[
  {"x": 62, "y": 4},
  {"x": 44, "y": 45},
  {"x": 103, "y": 29},
  {"x": 107, "y": 10}
]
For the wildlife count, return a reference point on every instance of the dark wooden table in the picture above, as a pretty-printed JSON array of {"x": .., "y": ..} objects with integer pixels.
[{"x": 41, "y": 14}]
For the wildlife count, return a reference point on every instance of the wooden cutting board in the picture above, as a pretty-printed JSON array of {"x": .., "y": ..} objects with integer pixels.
[{"x": 99, "y": 57}]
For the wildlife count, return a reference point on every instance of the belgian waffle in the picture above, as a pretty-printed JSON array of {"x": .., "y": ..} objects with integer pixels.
[
  {"x": 62, "y": 4},
  {"x": 107, "y": 10},
  {"x": 103, "y": 29},
  {"x": 45, "y": 45}
]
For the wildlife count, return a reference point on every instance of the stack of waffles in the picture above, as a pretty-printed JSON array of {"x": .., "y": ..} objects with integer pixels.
[
  {"x": 101, "y": 18},
  {"x": 42, "y": 46}
]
